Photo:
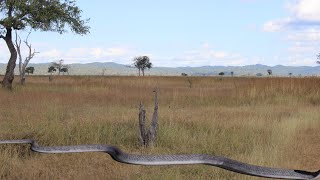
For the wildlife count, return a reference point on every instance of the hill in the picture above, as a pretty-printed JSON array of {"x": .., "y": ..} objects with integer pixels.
[{"x": 110, "y": 68}]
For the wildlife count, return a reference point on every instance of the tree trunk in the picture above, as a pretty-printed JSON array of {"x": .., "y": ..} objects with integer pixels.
[
  {"x": 142, "y": 72},
  {"x": 9, "y": 76},
  {"x": 139, "y": 72},
  {"x": 22, "y": 78},
  {"x": 23, "y": 74},
  {"x": 20, "y": 65},
  {"x": 50, "y": 77}
]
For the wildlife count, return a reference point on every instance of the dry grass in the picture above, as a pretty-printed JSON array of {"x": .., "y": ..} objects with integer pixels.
[{"x": 263, "y": 121}]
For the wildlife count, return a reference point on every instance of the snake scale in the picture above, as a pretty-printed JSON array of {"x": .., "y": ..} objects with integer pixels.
[{"x": 175, "y": 159}]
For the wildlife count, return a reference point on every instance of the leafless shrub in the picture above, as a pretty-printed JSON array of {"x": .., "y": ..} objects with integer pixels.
[{"x": 148, "y": 137}]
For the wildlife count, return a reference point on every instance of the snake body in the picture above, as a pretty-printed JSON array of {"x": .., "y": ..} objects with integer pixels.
[{"x": 175, "y": 159}]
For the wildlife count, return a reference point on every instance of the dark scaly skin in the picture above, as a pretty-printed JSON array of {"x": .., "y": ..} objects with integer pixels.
[{"x": 175, "y": 159}]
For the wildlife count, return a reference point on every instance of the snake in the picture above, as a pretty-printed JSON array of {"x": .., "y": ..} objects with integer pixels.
[{"x": 173, "y": 159}]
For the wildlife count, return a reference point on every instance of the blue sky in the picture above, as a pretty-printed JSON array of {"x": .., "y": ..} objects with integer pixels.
[{"x": 188, "y": 33}]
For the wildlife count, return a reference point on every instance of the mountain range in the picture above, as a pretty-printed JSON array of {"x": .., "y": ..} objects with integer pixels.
[{"x": 110, "y": 68}]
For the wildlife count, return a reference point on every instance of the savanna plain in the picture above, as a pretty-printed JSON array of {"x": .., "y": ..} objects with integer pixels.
[{"x": 263, "y": 121}]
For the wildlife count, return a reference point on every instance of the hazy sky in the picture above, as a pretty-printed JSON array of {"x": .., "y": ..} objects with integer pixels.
[{"x": 188, "y": 33}]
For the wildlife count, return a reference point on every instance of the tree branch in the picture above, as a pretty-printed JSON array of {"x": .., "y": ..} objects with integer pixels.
[
  {"x": 152, "y": 133},
  {"x": 31, "y": 54},
  {"x": 23, "y": 65},
  {"x": 26, "y": 41},
  {"x": 18, "y": 45}
]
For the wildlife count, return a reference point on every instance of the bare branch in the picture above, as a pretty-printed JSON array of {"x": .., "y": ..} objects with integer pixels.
[
  {"x": 148, "y": 137},
  {"x": 31, "y": 53},
  {"x": 18, "y": 45},
  {"x": 152, "y": 133},
  {"x": 142, "y": 125},
  {"x": 23, "y": 65},
  {"x": 26, "y": 41}
]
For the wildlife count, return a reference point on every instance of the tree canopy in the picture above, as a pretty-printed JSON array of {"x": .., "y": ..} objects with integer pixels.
[
  {"x": 52, "y": 69},
  {"x": 29, "y": 70},
  {"x": 269, "y": 71},
  {"x": 142, "y": 63},
  {"x": 44, "y": 15},
  {"x": 60, "y": 66}
]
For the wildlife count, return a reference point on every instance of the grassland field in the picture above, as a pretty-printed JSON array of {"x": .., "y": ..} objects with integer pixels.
[{"x": 263, "y": 121}]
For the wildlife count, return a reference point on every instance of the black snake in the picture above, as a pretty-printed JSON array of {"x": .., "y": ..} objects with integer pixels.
[{"x": 175, "y": 159}]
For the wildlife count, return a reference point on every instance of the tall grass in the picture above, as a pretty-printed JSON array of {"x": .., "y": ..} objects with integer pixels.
[{"x": 263, "y": 121}]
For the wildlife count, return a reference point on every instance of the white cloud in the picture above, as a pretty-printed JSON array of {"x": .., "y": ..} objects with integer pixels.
[
  {"x": 77, "y": 55},
  {"x": 309, "y": 34},
  {"x": 206, "y": 55},
  {"x": 122, "y": 54},
  {"x": 301, "y": 61},
  {"x": 276, "y": 25},
  {"x": 303, "y": 13},
  {"x": 306, "y": 10},
  {"x": 114, "y": 52},
  {"x": 304, "y": 43},
  {"x": 50, "y": 54},
  {"x": 302, "y": 29}
]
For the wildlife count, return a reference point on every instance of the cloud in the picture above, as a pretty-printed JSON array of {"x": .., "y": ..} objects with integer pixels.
[
  {"x": 206, "y": 55},
  {"x": 301, "y": 61},
  {"x": 303, "y": 13},
  {"x": 305, "y": 10},
  {"x": 309, "y": 34},
  {"x": 108, "y": 52},
  {"x": 302, "y": 29},
  {"x": 77, "y": 54},
  {"x": 83, "y": 54},
  {"x": 276, "y": 25},
  {"x": 50, "y": 54}
]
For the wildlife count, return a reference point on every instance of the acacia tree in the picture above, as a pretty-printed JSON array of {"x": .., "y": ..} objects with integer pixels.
[
  {"x": 51, "y": 69},
  {"x": 29, "y": 70},
  {"x": 136, "y": 63},
  {"x": 58, "y": 65},
  {"x": 44, "y": 15},
  {"x": 65, "y": 69},
  {"x": 142, "y": 63},
  {"x": 318, "y": 57}
]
